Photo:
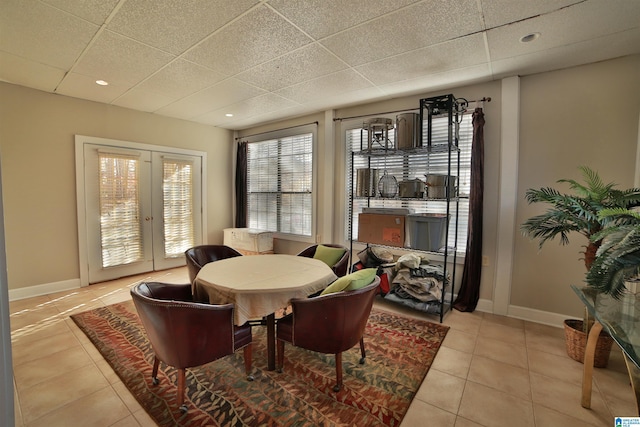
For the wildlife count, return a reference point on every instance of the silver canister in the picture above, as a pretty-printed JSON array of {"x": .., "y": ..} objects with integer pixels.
[
  {"x": 413, "y": 188},
  {"x": 366, "y": 182},
  {"x": 438, "y": 186},
  {"x": 408, "y": 131}
]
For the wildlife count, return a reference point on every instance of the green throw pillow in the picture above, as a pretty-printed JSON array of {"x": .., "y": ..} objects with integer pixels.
[
  {"x": 361, "y": 278},
  {"x": 352, "y": 281},
  {"x": 328, "y": 255},
  {"x": 338, "y": 285}
]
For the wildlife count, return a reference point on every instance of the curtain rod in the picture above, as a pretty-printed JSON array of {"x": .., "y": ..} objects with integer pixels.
[
  {"x": 276, "y": 130},
  {"x": 484, "y": 99},
  {"x": 337, "y": 119}
]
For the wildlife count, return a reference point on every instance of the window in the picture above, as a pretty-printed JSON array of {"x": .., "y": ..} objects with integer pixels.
[
  {"x": 177, "y": 198},
  {"x": 280, "y": 182},
  {"x": 120, "y": 230},
  {"x": 420, "y": 164}
]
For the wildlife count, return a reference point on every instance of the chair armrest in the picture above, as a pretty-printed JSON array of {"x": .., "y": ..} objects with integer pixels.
[{"x": 166, "y": 291}]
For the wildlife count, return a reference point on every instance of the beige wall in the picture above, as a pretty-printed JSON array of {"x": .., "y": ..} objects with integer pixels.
[
  {"x": 585, "y": 115},
  {"x": 38, "y": 174}
]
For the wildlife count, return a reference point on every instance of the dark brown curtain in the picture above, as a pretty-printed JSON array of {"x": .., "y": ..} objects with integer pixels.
[
  {"x": 241, "y": 185},
  {"x": 469, "y": 292}
]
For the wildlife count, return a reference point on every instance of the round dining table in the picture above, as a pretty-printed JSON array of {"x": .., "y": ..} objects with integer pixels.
[{"x": 260, "y": 285}]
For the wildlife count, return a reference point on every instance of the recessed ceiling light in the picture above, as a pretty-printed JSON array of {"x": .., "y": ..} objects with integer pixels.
[
  {"x": 102, "y": 82},
  {"x": 529, "y": 37},
  {"x": 229, "y": 115}
]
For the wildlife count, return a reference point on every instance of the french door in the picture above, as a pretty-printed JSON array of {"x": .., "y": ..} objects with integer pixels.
[{"x": 143, "y": 209}]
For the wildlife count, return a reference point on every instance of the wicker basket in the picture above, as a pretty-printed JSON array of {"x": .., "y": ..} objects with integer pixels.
[{"x": 576, "y": 341}]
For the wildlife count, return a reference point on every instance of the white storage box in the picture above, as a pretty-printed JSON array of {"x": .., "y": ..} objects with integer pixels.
[{"x": 250, "y": 240}]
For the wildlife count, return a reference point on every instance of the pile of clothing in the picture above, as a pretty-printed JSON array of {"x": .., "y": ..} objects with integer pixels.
[{"x": 417, "y": 283}]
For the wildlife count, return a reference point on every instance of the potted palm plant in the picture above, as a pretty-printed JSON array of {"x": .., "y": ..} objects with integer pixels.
[
  {"x": 618, "y": 257},
  {"x": 579, "y": 213}
]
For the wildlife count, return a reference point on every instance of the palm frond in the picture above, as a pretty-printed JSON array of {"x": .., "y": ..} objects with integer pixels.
[
  {"x": 618, "y": 257},
  {"x": 599, "y": 211},
  {"x": 578, "y": 212}
]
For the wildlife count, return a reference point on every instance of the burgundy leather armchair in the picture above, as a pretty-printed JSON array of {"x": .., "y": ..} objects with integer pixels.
[
  {"x": 340, "y": 267},
  {"x": 200, "y": 255},
  {"x": 184, "y": 333},
  {"x": 328, "y": 324}
]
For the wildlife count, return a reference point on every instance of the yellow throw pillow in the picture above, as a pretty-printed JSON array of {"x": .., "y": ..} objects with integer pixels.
[
  {"x": 352, "y": 281},
  {"x": 328, "y": 255}
]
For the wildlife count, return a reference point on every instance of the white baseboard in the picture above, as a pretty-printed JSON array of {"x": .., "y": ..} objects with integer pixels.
[
  {"x": 485, "y": 305},
  {"x": 47, "y": 288},
  {"x": 538, "y": 316},
  {"x": 528, "y": 314}
]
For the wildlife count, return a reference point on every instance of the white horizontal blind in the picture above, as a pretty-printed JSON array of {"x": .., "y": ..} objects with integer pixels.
[
  {"x": 280, "y": 184},
  {"x": 120, "y": 229},
  {"x": 415, "y": 165},
  {"x": 177, "y": 191}
]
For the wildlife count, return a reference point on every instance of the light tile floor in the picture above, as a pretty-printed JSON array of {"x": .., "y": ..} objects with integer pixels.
[{"x": 490, "y": 371}]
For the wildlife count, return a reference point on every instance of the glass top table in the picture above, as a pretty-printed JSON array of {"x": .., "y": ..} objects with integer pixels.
[{"x": 620, "y": 318}]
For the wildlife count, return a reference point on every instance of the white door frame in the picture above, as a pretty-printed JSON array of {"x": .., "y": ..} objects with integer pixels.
[{"x": 80, "y": 141}]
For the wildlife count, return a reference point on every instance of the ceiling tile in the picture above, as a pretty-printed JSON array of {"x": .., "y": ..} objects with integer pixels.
[
  {"x": 263, "y": 119},
  {"x": 96, "y": 11},
  {"x": 225, "y": 93},
  {"x": 24, "y": 72},
  {"x": 326, "y": 86},
  {"x": 306, "y": 63},
  {"x": 501, "y": 12},
  {"x": 120, "y": 60},
  {"x": 469, "y": 50},
  {"x": 438, "y": 81},
  {"x": 142, "y": 100},
  {"x": 175, "y": 25},
  {"x": 180, "y": 78},
  {"x": 345, "y": 99},
  {"x": 321, "y": 18},
  {"x": 254, "y": 38},
  {"x": 563, "y": 27},
  {"x": 81, "y": 86},
  {"x": 600, "y": 49},
  {"x": 42, "y": 33},
  {"x": 414, "y": 27},
  {"x": 259, "y": 105}
]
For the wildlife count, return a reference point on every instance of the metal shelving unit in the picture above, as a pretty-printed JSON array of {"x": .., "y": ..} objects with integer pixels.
[{"x": 438, "y": 154}]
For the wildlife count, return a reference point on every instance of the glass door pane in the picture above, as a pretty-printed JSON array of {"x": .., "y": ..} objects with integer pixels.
[
  {"x": 176, "y": 206},
  {"x": 118, "y": 209}
]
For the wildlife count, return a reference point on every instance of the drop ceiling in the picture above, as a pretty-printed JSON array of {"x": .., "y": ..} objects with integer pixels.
[{"x": 267, "y": 60}]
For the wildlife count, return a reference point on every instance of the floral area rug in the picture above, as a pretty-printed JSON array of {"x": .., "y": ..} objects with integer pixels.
[{"x": 378, "y": 393}]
